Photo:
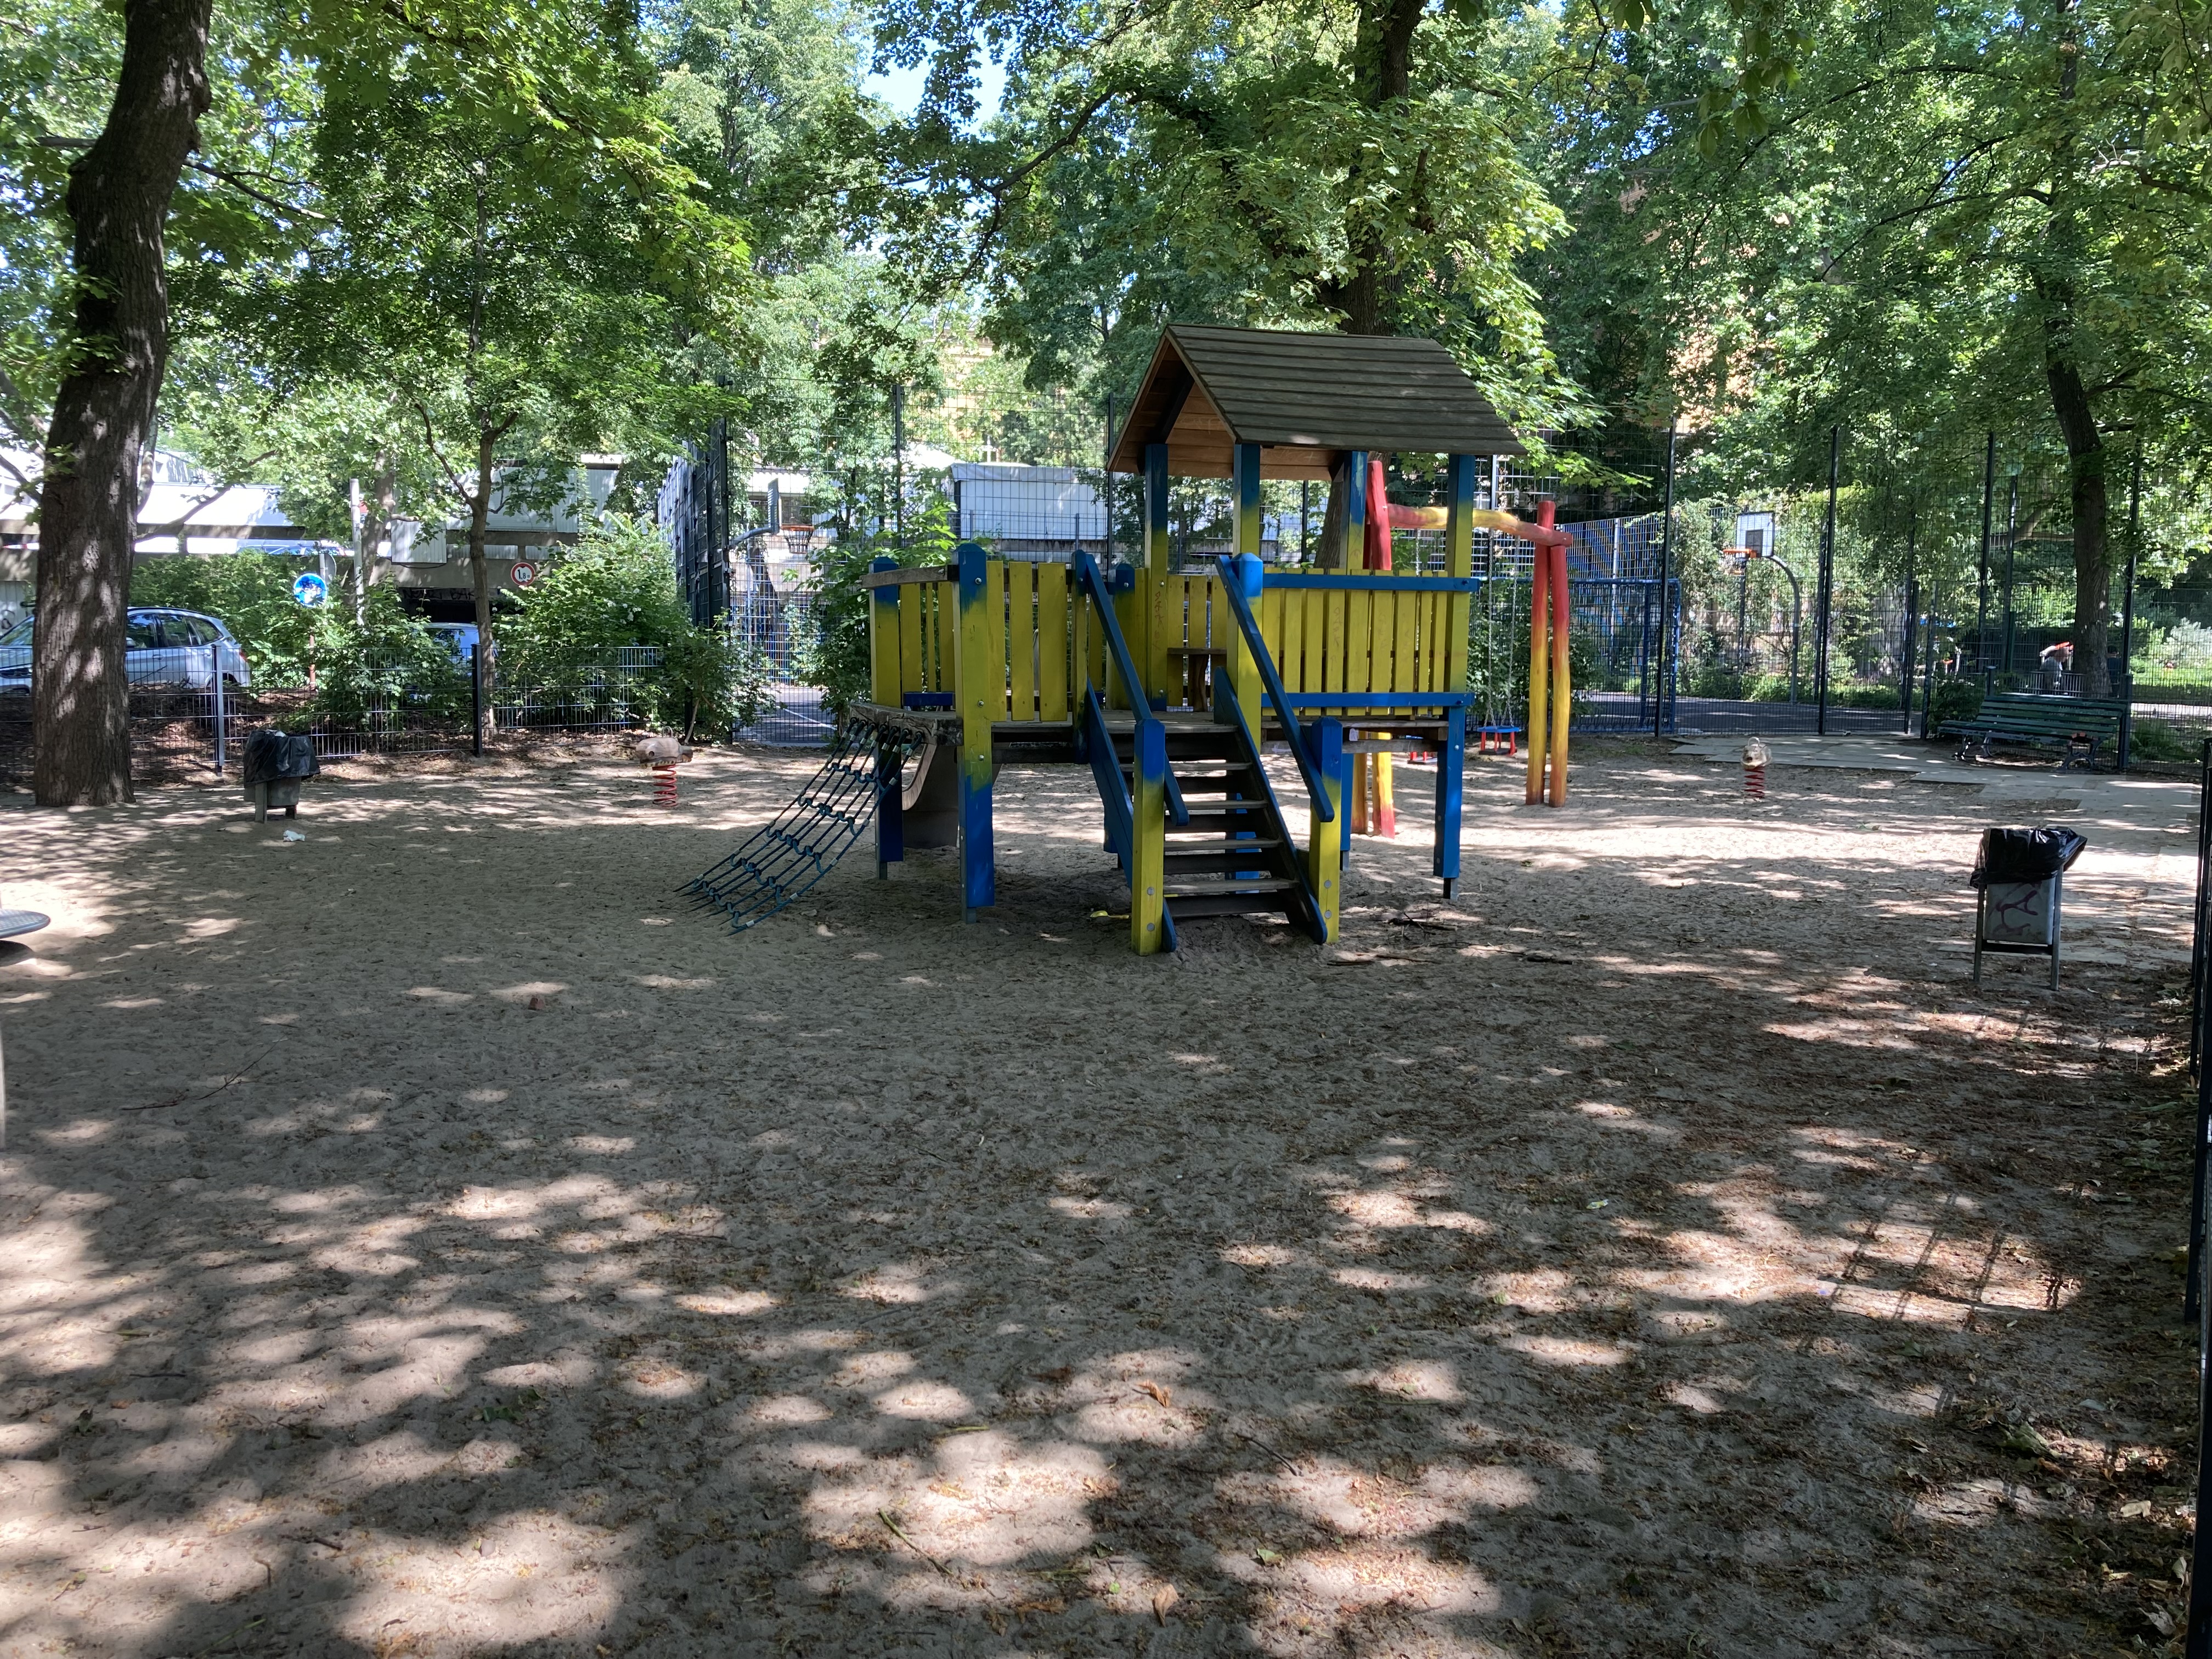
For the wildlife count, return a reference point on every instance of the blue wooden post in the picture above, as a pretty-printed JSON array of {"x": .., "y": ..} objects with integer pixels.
[
  {"x": 1355, "y": 513},
  {"x": 977, "y": 677},
  {"x": 1451, "y": 784},
  {"x": 891, "y": 809}
]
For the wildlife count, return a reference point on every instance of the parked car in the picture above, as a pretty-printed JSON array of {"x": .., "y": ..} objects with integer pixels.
[{"x": 159, "y": 647}]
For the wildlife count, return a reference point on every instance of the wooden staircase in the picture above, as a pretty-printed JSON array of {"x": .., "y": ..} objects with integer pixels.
[{"x": 1235, "y": 857}]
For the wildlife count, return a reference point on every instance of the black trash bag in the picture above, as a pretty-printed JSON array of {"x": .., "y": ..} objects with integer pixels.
[
  {"x": 2026, "y": 854},
  {"x": 275, "y": 756}
]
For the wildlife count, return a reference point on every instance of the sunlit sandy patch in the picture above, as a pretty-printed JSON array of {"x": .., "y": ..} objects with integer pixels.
[
  {"x": 1360, "y": 1504},
  {"x": 605, "y": 1145},
  {"x": 1569, "y": 1350},
  {"x": 937, "y": 1402},
  {"x": 439, "y": 995},
  {"x": 1366, "y": 1575},
  {"x": 896, "y": 1282},
  {"x": 1377, "y": 1209},
  {"x": 786, "y": 1411},
  {"x": 1260, "y": 1256},
  {"x": 984, "y": 1498},
  {"x": 864, "y": 1370},
  {"x": 539, "y": 1577},
  {"x": 1375, "y": 1278},
  {"x": 657, "y": 1378},
  {"x": 669, "y": 982},
  {"x": 1693, "y": 1398},
  {"x": 1411, "y": 1380},
  {"x": 739, "y": 1303}
]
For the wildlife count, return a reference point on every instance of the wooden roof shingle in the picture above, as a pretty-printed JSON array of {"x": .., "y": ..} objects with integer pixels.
[{"x": 1306, "y": 398}]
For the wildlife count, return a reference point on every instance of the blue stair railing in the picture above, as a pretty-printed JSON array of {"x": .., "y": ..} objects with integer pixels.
[{"x": 1271, "y": 678}]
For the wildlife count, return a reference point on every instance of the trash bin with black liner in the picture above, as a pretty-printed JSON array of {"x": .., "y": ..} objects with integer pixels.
[
  {"x": 276, "y": 764},
  {"x": 2019, "y": 875}
]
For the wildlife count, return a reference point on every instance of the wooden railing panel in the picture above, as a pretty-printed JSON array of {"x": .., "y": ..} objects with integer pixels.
[{"x": 1052, "y": 616}]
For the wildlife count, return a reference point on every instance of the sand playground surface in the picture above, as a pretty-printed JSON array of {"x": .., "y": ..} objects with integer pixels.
[{"x": 432, "y": 1238}]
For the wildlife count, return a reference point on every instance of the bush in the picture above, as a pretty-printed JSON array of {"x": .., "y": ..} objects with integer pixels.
[
  {"x": 1862, "y": 696},
  {"x": 614, "y": 589},
  {"x": 1954, "y": 699},
  {"x": 2156, "y": 741},
  {"x": 382, "y": 661},
  {"x": 836, "y": 656},
  {"x": 251, "y": 594}
]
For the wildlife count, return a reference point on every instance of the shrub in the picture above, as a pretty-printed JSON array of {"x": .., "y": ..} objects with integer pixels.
[
  {"x": 383, "y": 661},
  {"x": 251, "y": 594},
  {"x": 835, "y": 658},
  {"x": 616, "y": 589},
  {"x": 1954, "y": 699},
  {"x": 2156, "y": 741}
]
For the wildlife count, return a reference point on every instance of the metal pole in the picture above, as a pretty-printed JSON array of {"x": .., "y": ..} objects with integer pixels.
[
  {"x": 1106, "y": 478},
  {"x": 1982, "y": 576},
  {"x": 898, "y": 465},
  {"x": 1911, "y": 610},
  {"x": 1305, "y": 520},
  {"x": 476, "y": 698},
  {"x": 2198, "y": 1639},
  {"x": 2126, "y": 688},
  {"x": 1824, "y": 591},
  {"x": 1927, "y": 674},
  {"x": 1666, "y": 558},
  {"x": 2012, "y": 539}
]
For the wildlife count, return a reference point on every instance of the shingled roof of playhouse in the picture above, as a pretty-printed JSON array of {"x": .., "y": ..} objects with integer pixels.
[{"x": 1305, "y": 399}]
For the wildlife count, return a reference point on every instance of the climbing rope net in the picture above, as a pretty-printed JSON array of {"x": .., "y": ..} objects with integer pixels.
[{"x": 785, "y": 858}]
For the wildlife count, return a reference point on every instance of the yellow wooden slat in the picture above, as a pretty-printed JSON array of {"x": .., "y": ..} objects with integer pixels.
[
  {"x": 1022, "y": 638},
  {"x": 994, "y": 620},
  {"x": 1332, "y": 648},
  {"x": 1406, "y": 673},
  {"x": 911, "y": 601},
  {"x": 1382, "y": 640},
  {"x": 1052, "y": 641}
]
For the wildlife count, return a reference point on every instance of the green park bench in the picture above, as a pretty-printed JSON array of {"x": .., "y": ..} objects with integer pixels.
[{"x": 2074, "y": 726}]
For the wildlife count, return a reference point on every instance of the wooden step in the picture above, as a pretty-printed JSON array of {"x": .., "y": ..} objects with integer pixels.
[
  {"x": 1252, "y": 850},
  {"x": 1220, "y": 862},
  {"x": 1257, "y": 887},
  {"x": 1226, "y": 901}
]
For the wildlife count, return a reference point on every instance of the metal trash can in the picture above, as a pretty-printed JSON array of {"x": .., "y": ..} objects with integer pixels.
[
  {"x": 276, "y": 764},
  {"x": 2019, "y": 875}
]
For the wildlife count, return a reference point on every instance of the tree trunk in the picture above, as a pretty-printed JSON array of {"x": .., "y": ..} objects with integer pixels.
[
  {"x": 1385, "y": 54},
  {"x": 119, "y": 201},
  {"x": 2092, "y": 553},
  {"x": 479, "y": 516}
]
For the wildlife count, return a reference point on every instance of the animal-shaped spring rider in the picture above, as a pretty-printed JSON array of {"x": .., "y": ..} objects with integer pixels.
[{"x": 659, "y": 755}]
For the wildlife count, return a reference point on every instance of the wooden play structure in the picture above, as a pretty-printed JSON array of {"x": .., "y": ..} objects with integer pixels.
[{"x": 1169, "y": 682}]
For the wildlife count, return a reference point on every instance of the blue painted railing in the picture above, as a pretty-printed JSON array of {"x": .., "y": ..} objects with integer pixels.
[
  {"x": 1272, "y": 677},
  {"x": 1090, "y": 581}
]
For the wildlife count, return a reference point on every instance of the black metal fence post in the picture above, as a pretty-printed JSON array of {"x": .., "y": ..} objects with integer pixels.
[
  {"x": 1824, "y": 588},
  {"x": 2126, "y": 688},
  {"x": 1982, "y": 570},
  {"x": 1660, "y": 702}
]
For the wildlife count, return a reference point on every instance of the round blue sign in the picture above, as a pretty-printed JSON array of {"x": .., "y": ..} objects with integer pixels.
[{"x": 308, "y": 588}]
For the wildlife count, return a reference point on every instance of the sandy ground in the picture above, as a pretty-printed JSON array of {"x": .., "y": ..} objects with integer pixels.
[{"x": 433, "y": 1238}]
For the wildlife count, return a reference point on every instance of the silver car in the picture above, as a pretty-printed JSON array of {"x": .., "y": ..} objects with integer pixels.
[{"x": 160, "y": 648}]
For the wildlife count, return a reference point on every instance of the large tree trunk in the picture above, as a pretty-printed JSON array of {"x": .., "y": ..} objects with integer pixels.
[
  {"x": 2093, "y": 554},
  {"x": 1384, "y": 52},
  {"x": 119, "y": 200}
]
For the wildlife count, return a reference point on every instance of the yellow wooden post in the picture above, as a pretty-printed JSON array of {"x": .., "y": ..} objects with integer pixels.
[
  {"x": 1148, "y": 838},
  {"x": 1243, "y": 667},
  {"x": 1325, "y": 842},
  {"x": 883, "y": 639}
]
